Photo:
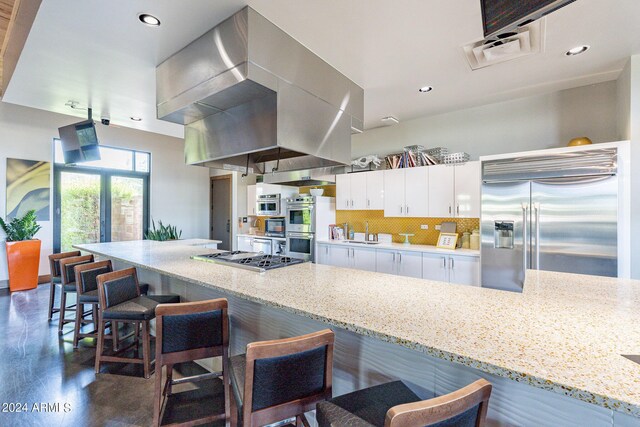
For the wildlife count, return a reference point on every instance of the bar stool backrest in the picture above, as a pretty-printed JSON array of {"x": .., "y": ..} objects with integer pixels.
[
  {"x": 285, "y": 378},
  {"x": 67, "y": 267},
  {"x": 191, "y": 331},
  {"x": 54, "y": 261},
  {"x": 466, "y": 407},
  {"x": 117, "y": 287},
  {"x": 87, "y": 275}
]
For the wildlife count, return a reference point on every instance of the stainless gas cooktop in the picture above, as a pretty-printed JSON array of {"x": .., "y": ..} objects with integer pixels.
[{"x": 253, "y": 261}]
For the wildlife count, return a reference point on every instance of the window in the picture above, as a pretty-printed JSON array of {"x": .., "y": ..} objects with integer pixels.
[{"x": 100, "y": 201}]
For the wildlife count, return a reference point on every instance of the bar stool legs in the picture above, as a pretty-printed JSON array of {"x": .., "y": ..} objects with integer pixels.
[{"x": 52, "y": 298}]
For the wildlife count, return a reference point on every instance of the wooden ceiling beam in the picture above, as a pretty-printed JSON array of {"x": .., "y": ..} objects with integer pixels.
[{"x": 22, "y": 15}]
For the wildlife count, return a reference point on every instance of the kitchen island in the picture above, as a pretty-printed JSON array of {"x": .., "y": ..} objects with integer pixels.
[{"x": 553, "y": 353}]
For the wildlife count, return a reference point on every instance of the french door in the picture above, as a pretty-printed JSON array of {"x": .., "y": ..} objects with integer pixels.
[{"x": 98, "y": 205}]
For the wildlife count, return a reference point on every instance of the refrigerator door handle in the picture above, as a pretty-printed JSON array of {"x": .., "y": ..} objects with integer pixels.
[
  {"x": 536, "y": 208},
  {"x": 525, "y": 208}
]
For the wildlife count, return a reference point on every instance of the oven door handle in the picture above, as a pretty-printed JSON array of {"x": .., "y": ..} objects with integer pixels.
[{"x": 306, "y": 236}]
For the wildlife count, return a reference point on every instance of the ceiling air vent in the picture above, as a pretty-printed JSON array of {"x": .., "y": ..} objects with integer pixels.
[{"x": 523, "y": 41}]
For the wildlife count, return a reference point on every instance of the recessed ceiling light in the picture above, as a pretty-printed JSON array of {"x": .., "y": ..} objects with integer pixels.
[
  {"x": 577, "y": 50},
  {"x": 149, "y": 20},
  {"x": 136, "y": 119},
  {"x": 425, "y": 89}
]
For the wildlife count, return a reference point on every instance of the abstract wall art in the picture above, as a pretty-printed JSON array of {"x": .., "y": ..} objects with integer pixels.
[{"x": 28, "y": 187}]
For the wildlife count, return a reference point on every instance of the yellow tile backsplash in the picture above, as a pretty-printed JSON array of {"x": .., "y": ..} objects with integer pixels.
[{"x": 379, "y": 224}]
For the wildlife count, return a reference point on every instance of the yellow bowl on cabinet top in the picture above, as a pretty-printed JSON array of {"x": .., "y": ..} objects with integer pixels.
[{"x": 583, "y": 140}]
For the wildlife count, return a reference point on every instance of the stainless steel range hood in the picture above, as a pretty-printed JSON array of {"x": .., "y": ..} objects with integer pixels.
[{"x": 252, "y": 97}]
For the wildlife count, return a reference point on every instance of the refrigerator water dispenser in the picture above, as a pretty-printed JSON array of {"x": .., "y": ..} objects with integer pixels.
[{"x": 503, "y": 234}]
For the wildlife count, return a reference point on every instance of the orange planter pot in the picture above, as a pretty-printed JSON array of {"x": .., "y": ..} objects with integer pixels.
[{"x": 24, "y": 260}]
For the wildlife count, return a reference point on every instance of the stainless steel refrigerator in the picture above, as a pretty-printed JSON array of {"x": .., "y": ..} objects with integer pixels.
[{"x": 556, "y": 213}]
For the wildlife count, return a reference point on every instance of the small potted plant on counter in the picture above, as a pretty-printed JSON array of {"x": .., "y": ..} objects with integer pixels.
[
  {"x": 23, "y": 251},
  {"x": 163, "y": 232}
]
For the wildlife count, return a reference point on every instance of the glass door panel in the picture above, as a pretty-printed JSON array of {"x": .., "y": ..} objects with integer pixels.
[
  {"x": 127, "y": 208},
  {"x": 79, "y": 209}
]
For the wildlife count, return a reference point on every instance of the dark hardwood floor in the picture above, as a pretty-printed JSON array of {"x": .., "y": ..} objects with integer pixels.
[{"x": 44, "y": 382}]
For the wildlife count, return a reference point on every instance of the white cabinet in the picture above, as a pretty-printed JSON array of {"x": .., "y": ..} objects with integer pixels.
[
  {"x": 363, "y": 259},
  {"x": 394, "y": 192},
  {"x": 245, "y": 243},
  {"x": 463, "y": 270},
  {"x": 406, "y": 192},
  {"x": 467, "y": 190},
  {"x": 251, "y": 200},
  {"x": 441, "y": 191},
  {"x": 343, "y": 192},
  {"x": 401, "y": 263},
  {"x": 375, "y": 190},
  {"x": 360, "y": 191},
  {"x": 322, "y": 253},
  {"x": 339, "y": 256},
  {"x": 454, "y": 191},
  {"x": 435, "y": 267}
]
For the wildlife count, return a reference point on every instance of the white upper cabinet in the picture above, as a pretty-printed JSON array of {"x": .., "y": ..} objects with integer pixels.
[
  {"x": 406, "y": 192},
  {"x": 375, "y": 190},
  {"x": 441, "y": 191},
  {"x": 394, "y": 192},
  {"x": 251, "y": 200},
  {"x": 454, "y": 191},
  {"x": 467, "y": 190},
  {"x": 360, "y": 191},
  {"x": 416, "y": 192},
  {"x": 343, "y": 192}
]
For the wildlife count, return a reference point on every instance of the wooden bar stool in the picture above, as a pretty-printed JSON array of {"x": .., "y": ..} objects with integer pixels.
[
  {"x": 395, "y": 405},
  {"x": 87, "y": 293},
  {"x": 56, "y": 279},
  {"x": 281, "y": 379},
  {"x": 68, "y": 282},
  {"x": 184, "y": 333},
  {"x": 121, "y": 301}
]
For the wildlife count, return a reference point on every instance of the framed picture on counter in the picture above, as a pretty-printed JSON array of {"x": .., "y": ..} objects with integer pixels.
[{"x": 447, "y": 240}]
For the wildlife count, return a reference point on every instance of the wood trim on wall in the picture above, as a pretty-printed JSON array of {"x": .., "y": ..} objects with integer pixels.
[{"x": 22, "y": 17}]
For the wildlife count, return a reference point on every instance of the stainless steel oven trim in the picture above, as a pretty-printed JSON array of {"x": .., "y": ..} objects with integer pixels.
[
  {"x": 306, "y": 236},
  {"x": 301, "y": 228}
]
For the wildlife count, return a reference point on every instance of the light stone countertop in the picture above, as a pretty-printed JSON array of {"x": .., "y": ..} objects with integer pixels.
[
  {"x": 565, "y": 333},
  {"x": 403, "y": 247}
]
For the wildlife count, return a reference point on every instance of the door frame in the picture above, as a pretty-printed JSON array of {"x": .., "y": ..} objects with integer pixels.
[
  {"x": 212, "y": 179},
  {"x": 105, "y": 198}
]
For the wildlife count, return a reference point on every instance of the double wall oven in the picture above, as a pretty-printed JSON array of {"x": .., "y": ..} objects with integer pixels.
[{"x": 300, "y": 226}]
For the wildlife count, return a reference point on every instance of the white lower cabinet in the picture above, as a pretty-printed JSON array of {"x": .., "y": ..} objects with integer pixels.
[
  {"x": 245, "y": 243},
  {"x": 401, "y": 263},
  {"x": 463, "y": 270}
]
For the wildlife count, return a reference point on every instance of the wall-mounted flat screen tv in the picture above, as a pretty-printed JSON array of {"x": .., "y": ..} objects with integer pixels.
[
  {"x": 79, "y": 142},
  {"x": 500, "y": 16}
]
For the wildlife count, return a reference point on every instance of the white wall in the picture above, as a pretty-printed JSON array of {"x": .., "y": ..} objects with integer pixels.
[
  {"x": 179, "y": 194},
  {"x": 536, "y": 122}
]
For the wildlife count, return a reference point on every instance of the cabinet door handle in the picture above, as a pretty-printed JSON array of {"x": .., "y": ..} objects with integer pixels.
[
  {"x": 368, "y": 203},
  {"x": 451, "y": 265},
  {"x": 444, "y": 262},
  {"x": 400, "y": 208},
  {"x": 347, "y": 203},
  {"x": 407, "y": 210},
  {"x": 399, "y": 258},
  {"x": 394, "y": 257},
  {"x": 458, "y": 209},
  {"x": 449, "y": 209}
]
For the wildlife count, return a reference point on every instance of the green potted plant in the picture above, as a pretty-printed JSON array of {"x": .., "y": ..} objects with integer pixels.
[
  {"x": 23, "y": 251},
  {"x": 163, "y": 232}
]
